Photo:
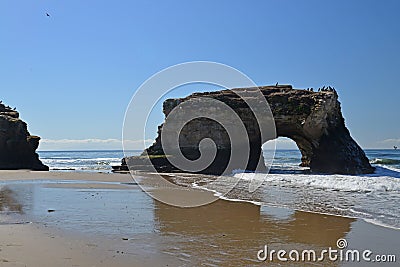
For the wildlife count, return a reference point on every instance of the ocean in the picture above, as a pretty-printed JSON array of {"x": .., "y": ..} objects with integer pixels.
[
  {"x": 86, "y": 161},
  {"x": 372, "y": 197}
]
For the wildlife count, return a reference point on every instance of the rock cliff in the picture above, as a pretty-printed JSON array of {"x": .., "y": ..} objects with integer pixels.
[
  {"x": 312, "y": 119},
  {"x": 17, "y": 146}
]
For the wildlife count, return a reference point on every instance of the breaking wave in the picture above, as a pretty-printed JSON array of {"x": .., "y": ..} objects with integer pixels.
[{"x": 385, "y": 161}]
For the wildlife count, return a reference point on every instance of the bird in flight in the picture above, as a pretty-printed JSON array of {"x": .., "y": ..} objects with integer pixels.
[{"x": 47, "y": 14}]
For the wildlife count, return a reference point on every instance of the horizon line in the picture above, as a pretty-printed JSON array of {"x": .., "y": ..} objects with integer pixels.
[{"x": 100, "y": 150}]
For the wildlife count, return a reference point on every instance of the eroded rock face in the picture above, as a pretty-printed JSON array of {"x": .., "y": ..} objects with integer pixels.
[
  {"x": 312, "y": 119},
  {"x": 17, "y": 146}
]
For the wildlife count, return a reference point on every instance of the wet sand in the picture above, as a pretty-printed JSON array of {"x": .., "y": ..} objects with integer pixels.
[{"x": 219, "y": 234}]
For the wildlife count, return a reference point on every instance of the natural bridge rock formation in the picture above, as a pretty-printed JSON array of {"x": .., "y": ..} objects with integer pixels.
[
  {"x": 17, "y": 146},
  {"x": 312, "y": 119}
]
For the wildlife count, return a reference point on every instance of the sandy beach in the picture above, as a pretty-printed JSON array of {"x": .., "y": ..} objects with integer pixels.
[
  {"x": 199, "y": 133},
  {"x": 223, "y": 233}
]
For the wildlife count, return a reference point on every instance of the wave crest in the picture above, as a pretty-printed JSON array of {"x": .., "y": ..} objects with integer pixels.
[
  {"x": 385, "y": 161},
  {"x": 345, "y": 183}
]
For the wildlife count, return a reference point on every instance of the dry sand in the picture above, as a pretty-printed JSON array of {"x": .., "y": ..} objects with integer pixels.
[
  {"x": 220, "y": 234},
  {"x": 35, "y": 245},
  {"x": 87, "y": 176}
]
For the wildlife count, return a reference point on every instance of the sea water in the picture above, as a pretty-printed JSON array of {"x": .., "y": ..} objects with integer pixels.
[
  {"x": 372, "y": 197},
  {"x": 89, "y": 161}
]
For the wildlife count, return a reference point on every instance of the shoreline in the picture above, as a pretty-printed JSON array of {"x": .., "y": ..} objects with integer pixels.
[
  {"x": 233, "y": 231},
  {"x": 106, "y": 180},
  {"x": 368, "y": 221}
]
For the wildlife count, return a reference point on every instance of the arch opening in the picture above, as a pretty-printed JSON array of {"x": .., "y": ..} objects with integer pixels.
[{"x": 288, "y": 157}]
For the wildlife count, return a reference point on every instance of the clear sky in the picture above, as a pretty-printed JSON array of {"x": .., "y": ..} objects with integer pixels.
[{"x": 71, "y": 74}]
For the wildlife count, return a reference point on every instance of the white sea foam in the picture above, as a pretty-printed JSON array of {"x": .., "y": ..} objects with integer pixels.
[
  {"x": 379, "y": 223},
  {"x": 329, "y": 182},
  {"x": 59, "y": 161},
  {"x": 222, "y": 196},
  {"x": 385, "y": 170}
]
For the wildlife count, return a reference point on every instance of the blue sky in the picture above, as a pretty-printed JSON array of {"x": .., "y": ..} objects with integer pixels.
[{"x": 71, "y": 75}]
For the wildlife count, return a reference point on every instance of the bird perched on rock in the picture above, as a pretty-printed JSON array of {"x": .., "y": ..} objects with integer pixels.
[{"x": 276, "y": 84}]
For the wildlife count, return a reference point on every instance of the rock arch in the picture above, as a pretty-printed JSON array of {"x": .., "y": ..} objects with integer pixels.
[{"x": 312, "y": 119}]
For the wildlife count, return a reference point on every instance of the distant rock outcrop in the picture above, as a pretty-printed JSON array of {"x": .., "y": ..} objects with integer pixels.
[
  {"x": 17, "y": 146},
  {"x": 312, "y": 119}
]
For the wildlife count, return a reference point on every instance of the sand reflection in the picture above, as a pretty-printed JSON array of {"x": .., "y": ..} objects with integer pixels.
[
  {"x": 8, "y": 201},
  {"x": 230, "y": 233}
]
